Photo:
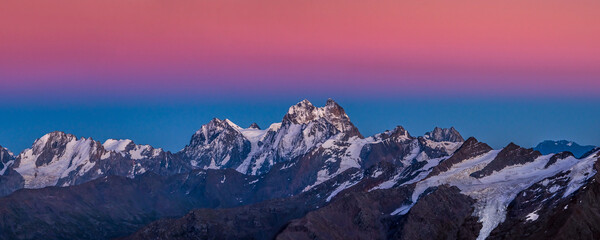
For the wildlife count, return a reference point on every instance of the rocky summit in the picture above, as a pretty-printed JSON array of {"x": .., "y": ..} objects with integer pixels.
[{"x": 312, "y": 175}]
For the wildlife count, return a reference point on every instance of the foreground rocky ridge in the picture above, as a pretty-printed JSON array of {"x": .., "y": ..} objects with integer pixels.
[{"x": 312, "y": 176}]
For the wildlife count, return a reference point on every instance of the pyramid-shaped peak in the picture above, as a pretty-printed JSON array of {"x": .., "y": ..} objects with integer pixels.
[
  {"x": 331, "y": 102},
  {"x": 512, "y": 145},
  {"x": 333, "y": 108},
  {"x": 215, "y": 121},
  {"x": 305, "y": 102},
  {"x": 471, "y": 140},
  {"x": 221, "y": 123},
  {"x": 254, "y": 126}
]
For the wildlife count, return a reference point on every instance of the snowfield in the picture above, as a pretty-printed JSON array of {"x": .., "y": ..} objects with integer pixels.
[{"x": 494, "y": 192}]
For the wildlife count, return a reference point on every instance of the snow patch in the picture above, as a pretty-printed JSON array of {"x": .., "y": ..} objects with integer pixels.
[
  {"x": 377, "y": 174},
  {"x": 402, "y": 210},
  {"x": 116, "y": 145},
  {"x": 345, "y": 185},
  {"x": 532, "y": 216},
  {"x": 254, "y": 136}
]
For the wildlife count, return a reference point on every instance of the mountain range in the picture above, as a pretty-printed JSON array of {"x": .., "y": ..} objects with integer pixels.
[
  {"x": 549, "y": 146},
  {"x": 311, "y": 176}
]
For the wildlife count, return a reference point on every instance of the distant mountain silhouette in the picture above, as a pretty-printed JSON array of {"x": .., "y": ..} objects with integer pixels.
[{"x": 549, "y": 146}]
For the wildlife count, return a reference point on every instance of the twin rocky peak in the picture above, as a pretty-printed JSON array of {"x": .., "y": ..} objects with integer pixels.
[{"x": 60, "y": 159}]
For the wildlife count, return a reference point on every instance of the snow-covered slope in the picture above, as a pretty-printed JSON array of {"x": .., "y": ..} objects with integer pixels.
[
  {"x": 494, "y": 192},
  {"x": 217, "y": 144},
  {"x": 56, "y": 156}
]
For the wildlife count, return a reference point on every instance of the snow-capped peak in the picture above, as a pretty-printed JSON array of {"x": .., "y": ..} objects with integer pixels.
[
  {"x": 302, "y": 112},
  {"x": 305, "y": 112},
  {"x": 218, "y": 144},
  {"x": 398, "y": 132},
  {"x": 444, "y": 135},
  {"x": 52, "y": 140},
  {"x": 54, "y": 156},
  {"x": 233, "y": 125},
  {"x": 117, "y": 145},
  {"x": 128, "y": 147},
  {"x": 254, "y": 126}
]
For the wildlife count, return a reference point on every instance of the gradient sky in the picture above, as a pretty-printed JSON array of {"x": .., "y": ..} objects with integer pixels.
[{"x": 526, "y": 69}]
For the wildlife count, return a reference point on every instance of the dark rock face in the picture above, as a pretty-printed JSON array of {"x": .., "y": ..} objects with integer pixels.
[
  {"x": 444, "y": 135},
  {"x": 469, "y": 149},
  {"x": 558, "y": 156},
  {"x": 10, "y": 182},
  {"x": 541, "y": 212},
  {"x": 260, "y": 221},
  {"x": 442, "y": 214},
  {"x": 55, "y": 145},
  {"x": 393, "y": 146},
  {"x": 254, "y": 126},
  {"x": 445, "y": 213},
  {"x": 115, "y": 206},
  {"x": 396, "y": 145},
  {"x": 548, "y": 147},
  {"x": 510, "y": 155},
  {"x": 256, "y": 221},
  {"x": 356, "y": 215}
]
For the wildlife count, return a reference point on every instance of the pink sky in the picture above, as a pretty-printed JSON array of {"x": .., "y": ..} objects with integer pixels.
[{"x": 466, "y": 46}]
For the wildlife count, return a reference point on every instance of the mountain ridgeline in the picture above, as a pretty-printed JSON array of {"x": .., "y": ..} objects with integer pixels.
[{"x": 311, "y": 176}]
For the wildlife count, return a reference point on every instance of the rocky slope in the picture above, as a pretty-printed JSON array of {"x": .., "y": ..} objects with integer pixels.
[
  {"x": 10, "y": 180},
  {"x": 451, "y": 204}
]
